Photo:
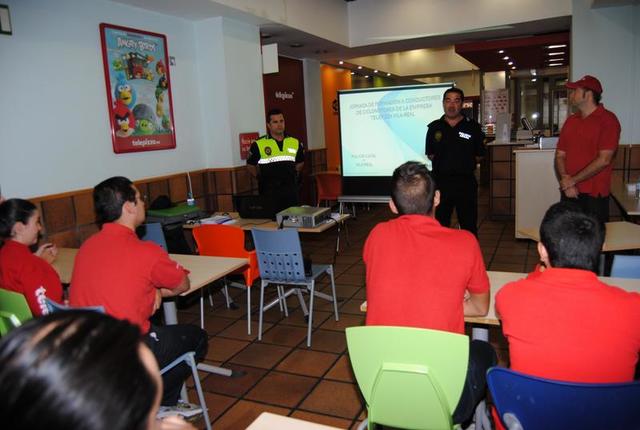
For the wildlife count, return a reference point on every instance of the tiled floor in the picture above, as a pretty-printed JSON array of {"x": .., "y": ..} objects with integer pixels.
[{"x": 281, "y": 374}]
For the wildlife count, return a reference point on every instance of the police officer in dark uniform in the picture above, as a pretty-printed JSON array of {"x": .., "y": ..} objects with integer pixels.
[
  {"x": 277, "y": 159},
  {"x": 454, "y": 143}
]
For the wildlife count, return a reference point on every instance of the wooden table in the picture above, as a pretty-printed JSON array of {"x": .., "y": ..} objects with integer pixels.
[
  {"x": 498, "y": 279},
  {"x": 269, "y": 421},
  {"x": 627, "y": 200},
  {"x": 620, "y": 236}
]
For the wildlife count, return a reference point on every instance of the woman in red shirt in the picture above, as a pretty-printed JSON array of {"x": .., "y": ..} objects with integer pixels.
[{"x": 21, "y": 271}]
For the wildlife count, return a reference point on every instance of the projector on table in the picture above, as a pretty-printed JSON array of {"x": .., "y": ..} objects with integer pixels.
[{"x": 303, "y": 216}]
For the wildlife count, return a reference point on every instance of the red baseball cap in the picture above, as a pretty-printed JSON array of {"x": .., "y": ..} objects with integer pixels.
[{"x": 588, "y": 82}]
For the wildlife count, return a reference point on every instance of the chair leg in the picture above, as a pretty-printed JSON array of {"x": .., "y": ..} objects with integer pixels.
[
  {"x": 311, "y": 297},
  {"x": 333, "y": 293},
  {"x": 226, "y": 293},
  {"x": 262, "y": 285},
  {"x": 283, "y": 299},
  {"x": 202, "y": 308},
  {"x": 303, "y": 305},
  {"x": 210, "y": 296},
  {"x": 248, "y": 310},
  {"x": 196, "y": 381}
]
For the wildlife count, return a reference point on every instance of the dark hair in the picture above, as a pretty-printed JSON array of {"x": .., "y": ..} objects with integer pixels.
[
  {"x": 596, "y": 96},
  {"x": 110, "y": 195},
  {"x": 453, "y": 90},
  {"x": 412, "y": 189},
  {"x": 273, "y": 112},
  {"x": 13, "y": 211},
  {"x": 75, "y": 370},
  {"x": 573, "y": 238}
]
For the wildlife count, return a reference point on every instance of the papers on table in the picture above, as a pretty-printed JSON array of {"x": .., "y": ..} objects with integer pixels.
[{"x": 218, "y": 219}]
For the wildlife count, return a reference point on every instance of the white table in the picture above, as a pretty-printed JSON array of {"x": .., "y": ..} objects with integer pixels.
[{"x": 269, "y": 421}]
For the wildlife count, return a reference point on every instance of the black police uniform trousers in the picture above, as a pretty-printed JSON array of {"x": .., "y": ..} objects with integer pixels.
[{"x": 459, "y": 193}]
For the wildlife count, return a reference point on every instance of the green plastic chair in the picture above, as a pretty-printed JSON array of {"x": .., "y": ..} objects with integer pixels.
[
  {"x": 14, "y": 311},
  {"x": 409, "y": 377}
]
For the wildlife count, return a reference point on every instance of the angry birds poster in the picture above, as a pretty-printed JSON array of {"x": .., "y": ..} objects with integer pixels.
[{"x": 138, "y": 84}]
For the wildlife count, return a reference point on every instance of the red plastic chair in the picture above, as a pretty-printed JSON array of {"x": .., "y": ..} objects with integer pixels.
[
  {"x": 328, "y": 186},
  {"x": 228, "y": 241}
]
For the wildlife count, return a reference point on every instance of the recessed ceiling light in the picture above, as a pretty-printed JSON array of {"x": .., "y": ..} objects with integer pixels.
[
  {"x": 366, "y": 76},
  {"x": 375, "y": 71},
  {"x": 353, "y": 73},
  {"x": 555, "y": 53},
  {"x": 510, "y": 63},
  {"x": 556, "y": 46},
  {"x": 555, "y": 64},
  {"x": 341, "y": 62},
  {"x": 359, "y": 67},
  {"x": 505, "y": 57},
  {"x": 501, "y": 51},
  {"x": 388, "y": 74},
  {"x": 555, "y": 59},
  {"x": 534, "y": 79},
  {"x": 513, "y": 67}
]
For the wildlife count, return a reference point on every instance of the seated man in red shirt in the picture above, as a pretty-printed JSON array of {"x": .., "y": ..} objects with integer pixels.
[
  {"x": 420, "y": 274},
  {"x": 564, "y": 323},
  {"x": 127, "y": 276}
]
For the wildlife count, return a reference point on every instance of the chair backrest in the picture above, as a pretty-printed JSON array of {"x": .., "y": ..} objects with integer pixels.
[
  {"x": 226, "y": 241},
  {"x": 279, "y": 255},
  {"x": 14, "y": 310},
  {"x": 328, "y": 186},
  {"x": 154, "y": 233},
  {"x": 626, "y": 266},
  {"x": 538, "y": 403},
  {"x": 409, "y": 377}
]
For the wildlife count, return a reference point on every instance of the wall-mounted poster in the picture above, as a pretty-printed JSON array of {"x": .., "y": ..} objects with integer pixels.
[{"x": 136, "y": 71}]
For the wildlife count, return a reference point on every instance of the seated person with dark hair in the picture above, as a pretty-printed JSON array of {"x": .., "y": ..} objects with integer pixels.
[
  {"x": 420, "y": 274},
  {"x": 80, "y": 370},
  {"x": 564, "y": 323},
  {"x": 127, "y": 276},
  {"x": 29, "y": 274}
]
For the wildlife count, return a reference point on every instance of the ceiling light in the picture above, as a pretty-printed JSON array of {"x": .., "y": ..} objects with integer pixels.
[
  {"x": 375, "y": 71},
  {"x": 513, "y": 67},
  {"x": 556, "y": 53},
  {"x": 366, "y": 76},
  {"x": 555, "y": 64},
  {"x": 534, "y": 79},
  {"x": 388, "y": 74},
  {"x": 353, "y": 73},
  {"x": 501, "y": 51},
  {"x": 359, "y": 67},
  {"x": 555, "y": 59},
  {"x": 505, "y": 57},
  {"x": 556, "y": 46},
  {"x": 341, "y": 62},
  {"x": 510, "y": 63}
]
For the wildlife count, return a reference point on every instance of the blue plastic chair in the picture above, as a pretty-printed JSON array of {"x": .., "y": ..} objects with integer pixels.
[
  {"x": 528, "y": 402},
  {"x": 626, "y": 266},
  {"x": 280, "y": 262},
  {"x": 154, "y": 233}
]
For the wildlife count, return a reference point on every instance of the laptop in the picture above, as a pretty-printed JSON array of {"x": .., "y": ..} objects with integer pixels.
[{"x": 253, "y": 206}]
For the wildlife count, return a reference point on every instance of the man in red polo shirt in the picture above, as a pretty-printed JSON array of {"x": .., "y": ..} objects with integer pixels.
[
  {"x": 115, "y": 269},
  {"x": 588, "y": 142},
  {"x": 420, "y": 274},
  {"x": 564, "y": 323}
]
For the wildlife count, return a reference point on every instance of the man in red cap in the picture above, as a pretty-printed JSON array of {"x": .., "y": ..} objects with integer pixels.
[{"x": 588, "y": 142}]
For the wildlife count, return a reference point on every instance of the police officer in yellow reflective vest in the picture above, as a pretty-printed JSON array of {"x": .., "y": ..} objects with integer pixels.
[{"x": 277, "y": 160}]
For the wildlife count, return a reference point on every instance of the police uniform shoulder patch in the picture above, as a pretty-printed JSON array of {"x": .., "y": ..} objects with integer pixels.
[
  {"x": 267, "y": 150},
  {"x": 438, "y": 136}
]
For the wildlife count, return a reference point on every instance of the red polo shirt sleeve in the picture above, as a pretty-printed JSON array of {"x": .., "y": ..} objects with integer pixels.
[
  {"x": 166, "y": 273},
  {"x": 609, "y": 133}
]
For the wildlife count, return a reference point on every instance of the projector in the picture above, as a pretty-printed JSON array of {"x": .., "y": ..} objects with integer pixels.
[{"x": 303, "y": 216}]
